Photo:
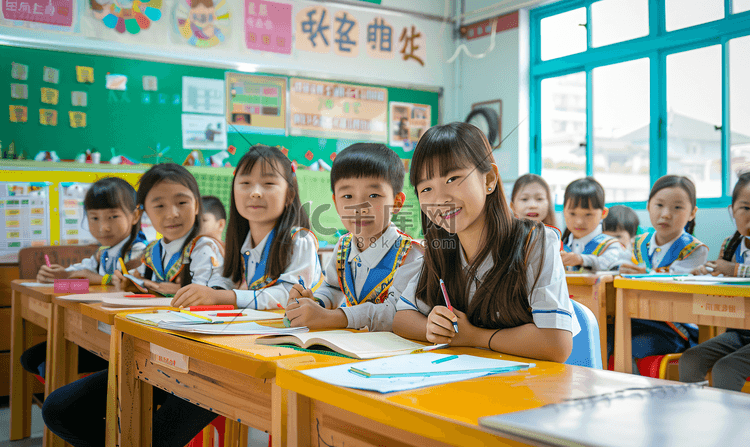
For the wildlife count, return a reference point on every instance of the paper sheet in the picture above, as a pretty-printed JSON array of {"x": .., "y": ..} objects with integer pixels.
[{"x": 232, "y": 329}]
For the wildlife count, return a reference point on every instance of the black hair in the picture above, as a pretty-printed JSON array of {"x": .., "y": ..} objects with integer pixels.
[
  {"x": 212, "y": 205},
  {"x": 294, "y": 215},
  {"x": 736, "y": 240},
  {"x": 584, "y": 193},
  {"x": 114, "y": 192},
  {"x": 530, "y": 179},
  {"x": 368, "y": 160},
  {"x": 677, "y": 181},
  {"x": 173, "y": 173},
  {"x": 621, "y": 217}
]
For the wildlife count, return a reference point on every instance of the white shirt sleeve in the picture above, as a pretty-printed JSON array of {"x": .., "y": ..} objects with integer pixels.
[
  {"x": 696, "y": 259},
  {"x": 136, "y": 251},
  {"x": 610, "y": 259},
  {"x": 86, "y": 264},
  {"x": 549, "y": 300},
  {"x": 304, "y": 263},
  {"x": 330, "y": 292},
  {"x": 408, "y": 299},
  {"x": 206, "y": 261},
  {"x": 379, "y": 317}
]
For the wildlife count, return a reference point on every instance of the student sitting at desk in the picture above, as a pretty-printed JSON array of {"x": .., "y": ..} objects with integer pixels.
[
  {"x": 727, "y": 355},
  {"x": 622, "y": 224},
  {"x": 503, "y": 275},
  {"x": 374, "y": 261},
  {"x": 214, "y": 218}
]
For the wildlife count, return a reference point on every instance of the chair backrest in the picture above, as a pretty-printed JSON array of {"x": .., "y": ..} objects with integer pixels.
[
  {"x": 31, "y": 258},
  {"x": 586, "y": 344}
]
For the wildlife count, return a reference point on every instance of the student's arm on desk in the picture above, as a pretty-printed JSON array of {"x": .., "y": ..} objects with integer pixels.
[{"x": 93, "y": 278}]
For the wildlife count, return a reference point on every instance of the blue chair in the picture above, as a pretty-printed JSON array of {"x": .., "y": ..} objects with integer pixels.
[{"x": 586, "y": 348}]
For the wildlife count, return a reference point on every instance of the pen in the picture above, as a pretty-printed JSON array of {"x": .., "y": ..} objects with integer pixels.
[
  {"x": 709, "y": 269},
  {"x": 430, "y": 348},
  {"x": 122, "y": 266},
  {"x": 140, "y": 295},
  {"x": 302, "y": 283},
  {"x": 448, "y": 303},
  {"x": 445, "y": 359},
  {"x": 211, "y": 307},
  {"x": 227, "y": 314},
  {"x": 46, "y": 260}
]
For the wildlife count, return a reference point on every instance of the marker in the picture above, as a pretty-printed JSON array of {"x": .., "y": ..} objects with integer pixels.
[
  {"x": 140, "y": 295},
  {"x": 445, "y": 359},
  {"x": 122, "y": 266},
  {"x": 211, "y": 307},
  {"x": 448, "y": 303},
  {"x": 430, "y": 348},
  {"x": 228, "y": 314},
  {"x": 46, "y": 260}
]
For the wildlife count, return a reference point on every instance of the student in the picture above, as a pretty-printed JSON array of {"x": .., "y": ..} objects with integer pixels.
[
  {"x": 169, "y": 194},
  {"x": 504, "y": 276},
  {"x": 374, "y": 261},
  {"x": 670, "y": 248},
  {"x": 622, "y": 224},
  {"x": 214, "y": 218},
  {"x": 268, "y": 243},
  {"x": 532, "y": 199},
  {"x": 727, "y": 355},
  {"x": 584, "y": 244},
  {"x": 115, "y": 222}
]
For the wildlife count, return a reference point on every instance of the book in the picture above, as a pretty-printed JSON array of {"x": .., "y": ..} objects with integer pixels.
[
  {"x": 709, "y": 279},
  {"x": 138, "y": 282},
  {"x": 430, "y": 364},
  {"x": 245, "y": 328},
  {"x": 360, "y": 345},
  {"x": 93, "y": 297},
  {"x": 163, "y": 318},
  {"x": 122, "y": 301}
]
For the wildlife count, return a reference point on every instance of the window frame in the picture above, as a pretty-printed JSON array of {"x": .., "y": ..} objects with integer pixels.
[{"x": 655, "y": 46}]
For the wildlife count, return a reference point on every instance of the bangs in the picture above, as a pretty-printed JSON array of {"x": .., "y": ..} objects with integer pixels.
[
  {"x": 110, "y": 193},
  {"x": 584, "y": 193},
  {"x": 271, "y": 159}
]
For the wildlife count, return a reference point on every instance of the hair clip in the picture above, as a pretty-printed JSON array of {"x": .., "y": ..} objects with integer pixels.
[
  {"x": 140, "y": 206},
  {"x": 294, "y": 168}
]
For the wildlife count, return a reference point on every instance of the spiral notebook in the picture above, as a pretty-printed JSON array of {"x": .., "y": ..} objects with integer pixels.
[{"x": 673, "y": 415}]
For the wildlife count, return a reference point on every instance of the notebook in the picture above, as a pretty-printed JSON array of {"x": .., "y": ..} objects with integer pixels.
[
  {"x": 138, "y": 282},
  {"x": 714, "y": 279},
  {"x": 93, "y": 297},
  {"x": 246, "y": 328},
  {"x": 430, "y": 364},
  {"x": 360, "y": 345},
  {"x": 673, "y": 415},
  {"x": 172, "y": 317},
  {"x": 120, "y": 301}
]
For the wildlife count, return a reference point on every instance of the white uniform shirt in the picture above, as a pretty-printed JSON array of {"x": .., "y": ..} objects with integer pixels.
[
  {"x": 549, "y": 300},
  {"x": 206, "y": 261},
  {"x": 696, "y": 259},
  {"x": 112, "y": 255},
  {"x": 377, "y": 317},
  {"x": 304, "y": 263},
  {"x": 610, "y": 259}
]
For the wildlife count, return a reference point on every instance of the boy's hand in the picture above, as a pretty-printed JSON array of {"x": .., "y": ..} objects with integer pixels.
[
  {"x": 632, "y": 269},
  {"x": 571, "y": 259},
  {"x": 196, "y": 295},
  {"x": 309, "y": 313},
  {"x": 298, "y": 292},
  {"x": 164, "y": 288},
  {"x": 51, "y": 273}
]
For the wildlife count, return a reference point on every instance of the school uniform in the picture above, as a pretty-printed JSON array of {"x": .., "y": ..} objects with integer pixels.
[
  {"x": 263, "y": 291},
  {"x": 164, "y": 262},
  {"x": 727, "y": 355},
  {"x": 105, "y": 260},
  {"x": 549, "y": 300},
  {"x": 366, "y": 285},
  {"x": 599, "y": 251}
]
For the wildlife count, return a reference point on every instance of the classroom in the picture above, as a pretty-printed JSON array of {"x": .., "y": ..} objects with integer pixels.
[{"x": 374, "y": 222}]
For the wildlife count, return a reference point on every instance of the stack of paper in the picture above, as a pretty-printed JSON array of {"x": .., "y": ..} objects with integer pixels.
[
  {"x": 248, "y": 328},
  {"x": 207, "y": 322}
]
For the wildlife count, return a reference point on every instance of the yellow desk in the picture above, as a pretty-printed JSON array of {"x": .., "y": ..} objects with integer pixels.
[
  {"x": 228, "y": 374},
  {"x": 595, "y": 291},
  {"x": 675, "y": 301},
  {"x": 324, "y": 414}
]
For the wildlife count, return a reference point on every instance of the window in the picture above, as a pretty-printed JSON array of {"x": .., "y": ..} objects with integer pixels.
[{"x": 630, "y": 90}]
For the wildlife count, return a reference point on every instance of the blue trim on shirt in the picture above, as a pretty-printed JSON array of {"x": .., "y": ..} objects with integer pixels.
[
  {"x": 408, "y": 302},
  {"x": 556, "y": 311}
]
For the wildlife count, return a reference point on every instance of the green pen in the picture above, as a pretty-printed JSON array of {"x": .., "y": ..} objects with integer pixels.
[{"x": 445, "y": 359}]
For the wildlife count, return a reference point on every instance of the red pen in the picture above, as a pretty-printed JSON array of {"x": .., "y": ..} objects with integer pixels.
[
  {"x": 211, "y": 307},
  {"x": 46, "y": 260},
  {"x": 230, "y": 314},
  {"x": 448, "y": 303},
  {"x": 140, "y": 295}
]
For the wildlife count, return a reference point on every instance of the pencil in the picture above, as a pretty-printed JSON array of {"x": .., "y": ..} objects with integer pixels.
[{"x": 122, "y": 266}]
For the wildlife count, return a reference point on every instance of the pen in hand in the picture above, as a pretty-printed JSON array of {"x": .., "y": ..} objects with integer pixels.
[{"x": 448, "y": 303}]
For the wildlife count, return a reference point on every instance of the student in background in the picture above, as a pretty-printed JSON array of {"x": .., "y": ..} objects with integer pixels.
[
  {"x": 671, "y": 248},
  {"x": 115, "y": 222},
  {"x": 622, "y": 224},
  {"x": 727, "y": 356},
  {"x": 169, "y": 194},
  {"x": 584, "y": 244},
  {"x": 374, "y": 261},
  {"x": 268, "y": 243},
  {"x": 532, "y": 199},
  {"x": 214, "y": 217},
  {"x": 504, "y": 276}
]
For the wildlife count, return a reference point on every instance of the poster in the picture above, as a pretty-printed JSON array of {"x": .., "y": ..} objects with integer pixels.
[
  {"x": 268, "y": 26},
  {"x": 25, "y": 217},
  {"x": 59, "y": 12},
  {"x": 204, "y": 132},
  {"x": 202, "y": 95},
  {"x": 408, "y": 123},
  {"x": 202, "y": 24},
  {"x": 256, "y": 104},
  {"x": 127, "y": 16},
  {"x": 338, "y": 110},
  {"x": 73, "y": 230}
]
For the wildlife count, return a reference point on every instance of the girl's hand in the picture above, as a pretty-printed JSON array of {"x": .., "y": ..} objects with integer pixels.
[
  {"x": 721, "y": 266},
  {"x": 118, "y": 281},
  {"x": 164, "y": 288},
  {"x": 51, "y": 273},
  {"x": 698, "y": 271},
  {"x": 298, "y": 292},
  {"x": 628, "y": 268},
  {"x": 571, "y": 259},
  {"x": 440, "y": 325},
  {"x": 309, "y": 313},
  {"x": 196, "y": 295}
]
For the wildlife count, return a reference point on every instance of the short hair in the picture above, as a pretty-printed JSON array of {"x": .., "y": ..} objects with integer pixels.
[
  {"x": 368, "y": 160},
  {"x": 212, "y": 204},
  {"x": 621, "y": 217},
  {"x": 585, "y": 193}
]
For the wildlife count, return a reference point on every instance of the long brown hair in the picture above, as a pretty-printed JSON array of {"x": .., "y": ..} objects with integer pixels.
[
  {"x": 294, "y": 215},
  {"x": 530, "y": 179},
  {"x": 502, "y": 300},
  {"x": 737, "y": 237}
]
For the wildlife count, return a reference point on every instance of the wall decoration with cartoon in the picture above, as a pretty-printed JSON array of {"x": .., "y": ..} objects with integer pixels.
[
  {"x": 202, "y": 23},
  {"x": 127, "y": 15}
]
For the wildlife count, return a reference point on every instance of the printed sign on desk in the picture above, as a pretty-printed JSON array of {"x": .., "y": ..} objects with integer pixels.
[
  {"x": 169, "y": 359},
  {"x": 719, "y": 306}
]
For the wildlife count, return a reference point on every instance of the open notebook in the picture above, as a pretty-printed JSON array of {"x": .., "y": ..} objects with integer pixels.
[{"x": 360, "y": 345}]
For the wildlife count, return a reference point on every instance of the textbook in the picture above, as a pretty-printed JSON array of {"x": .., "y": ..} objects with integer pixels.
[
  {"x": 360, "y": 345},
  {"x": 429, "y": 364}
]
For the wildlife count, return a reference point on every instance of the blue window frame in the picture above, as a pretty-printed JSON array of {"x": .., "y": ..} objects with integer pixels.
[{"x": 655, "y": 47}]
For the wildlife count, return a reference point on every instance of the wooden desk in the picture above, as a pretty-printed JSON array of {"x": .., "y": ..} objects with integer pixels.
[
  {"x": 238, "y": 385},
  {"x": 673, "y": 301},
  {"x": 595, "y": 291},
  {"x": 324, "y": 414}
]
